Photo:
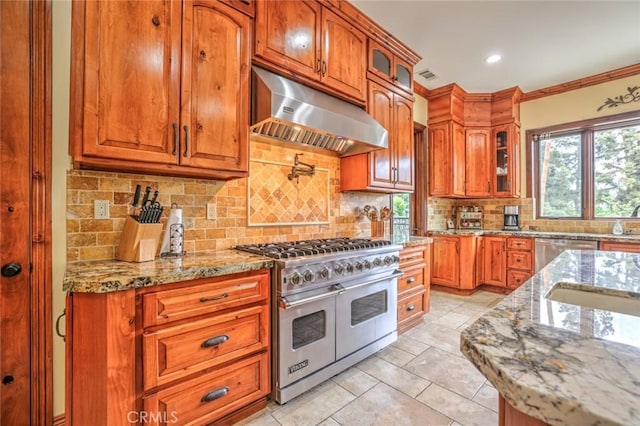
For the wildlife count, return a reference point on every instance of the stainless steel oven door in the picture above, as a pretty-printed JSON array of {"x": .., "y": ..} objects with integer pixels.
[
  {"x": 307, "y": 336},
  {"x": 365, "y": 313}
]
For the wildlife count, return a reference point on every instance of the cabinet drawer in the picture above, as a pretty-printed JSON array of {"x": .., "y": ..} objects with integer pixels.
[
  {"x": 516, "y": 278},
  {"x": 412, "y": 278},
  {"x": 410, "y": 307},
  {"x": 175, "y": 352},
  {"x": 205, "y": 399},
  {"x": 185, "y": 302},
  {"x": 412, "y": 256},
  {"x": 613, "y": 246},
  {"x": 519, "y": 243},
  {"x": 519, "y": 260}
]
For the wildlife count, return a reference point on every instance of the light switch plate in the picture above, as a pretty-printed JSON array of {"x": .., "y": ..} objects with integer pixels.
[
  {"x": 101, "y": 209},
  {"x": 211, "y": 211}
]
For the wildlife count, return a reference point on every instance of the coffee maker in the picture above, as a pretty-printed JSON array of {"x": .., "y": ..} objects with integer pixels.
[{"x": 511, "y": 218}]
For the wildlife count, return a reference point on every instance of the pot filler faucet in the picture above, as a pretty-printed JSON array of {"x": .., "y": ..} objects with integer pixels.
[{"x": 634, "y": 213}]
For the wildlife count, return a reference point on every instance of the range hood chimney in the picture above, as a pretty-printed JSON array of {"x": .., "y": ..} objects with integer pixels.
[{"x": 291, "y": 112}]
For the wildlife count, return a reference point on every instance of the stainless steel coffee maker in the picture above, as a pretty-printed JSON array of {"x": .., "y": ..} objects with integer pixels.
[{"x": 511, "y": 218}]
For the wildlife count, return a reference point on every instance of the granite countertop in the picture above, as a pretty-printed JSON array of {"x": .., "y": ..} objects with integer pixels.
[
  {"x": 628, "y": 238},
  {"x": 102, "y": 276},
  {"x": 563, "y": 363},
  {"x": 410, "y": 241}
]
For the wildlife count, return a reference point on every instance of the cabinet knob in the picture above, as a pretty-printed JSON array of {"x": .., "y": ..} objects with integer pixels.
[
  {"x": 410, "y": 308},
  {"x": 411, "y": 280},
  {"x": 155, "y": 21},
  {"x": 11, "y": 270}
]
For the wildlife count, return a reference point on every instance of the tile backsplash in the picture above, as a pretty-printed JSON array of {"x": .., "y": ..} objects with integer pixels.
[
  {"x": 441, "y": 209},
  {"x": 89, "y": 238}
]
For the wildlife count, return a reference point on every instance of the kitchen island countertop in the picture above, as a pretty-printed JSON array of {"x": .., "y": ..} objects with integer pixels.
[
  {"x": 103, "y": 276},
  {"x": 563, "y": 363},
  {"x": 410, "y": 241},
  {"x": 625, "y": 238}
]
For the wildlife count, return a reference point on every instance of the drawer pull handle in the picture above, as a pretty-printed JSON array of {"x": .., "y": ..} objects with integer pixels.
[
  {"x": 411, "y": 280},
  {"x": 209, "y": 299},
  {"x": 215, "y": 394},
  {"x": 410, "y": 308},
  {"x": 215, "y": 341}
]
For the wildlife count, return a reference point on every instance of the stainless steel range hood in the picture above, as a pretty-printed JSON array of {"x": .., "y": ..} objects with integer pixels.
[{"x": 288, "y": 111}]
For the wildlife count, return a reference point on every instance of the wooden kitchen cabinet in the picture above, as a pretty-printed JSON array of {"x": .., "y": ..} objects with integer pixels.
[
  {"x": 478, "y": 151},
  {"x": 506, "y": 176},
  {"x": 309, "y": 41},
  {"x": 520, "y": 260},
  {"x": 157, "y": 88},
  {"x": 390, "y": 169},
  {"x": 447, "y": 160},
  {"x": 493, "y": 258},
  {"x": 453, "y": 262},
  {"x": 180, "y": 351},
  {"x": 615, "y": 246},
  {"x": 390, "y": 67},
  {"x": 413, "y": 287}
]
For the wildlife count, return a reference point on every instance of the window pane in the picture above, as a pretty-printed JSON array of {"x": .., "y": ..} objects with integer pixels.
[
  {"x": 400, "y": 219},
  {"x": 616, "y": 171},
  {"x": 560, "y": 176}
]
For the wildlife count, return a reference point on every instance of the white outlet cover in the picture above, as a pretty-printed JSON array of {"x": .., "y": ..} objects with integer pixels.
[
  {"x": 101, "y": 209},
  {"x": 211, "y": 211}
]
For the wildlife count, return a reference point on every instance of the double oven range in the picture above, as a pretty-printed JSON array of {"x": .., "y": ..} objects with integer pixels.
[{"x": 334, "y": 304}]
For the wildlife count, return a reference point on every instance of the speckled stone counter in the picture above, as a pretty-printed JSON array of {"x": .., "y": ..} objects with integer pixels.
[
  {"x": 411, "y": 241},
  {"x": 626, "y": 238},
  {"x": 562, "y": 363},
  {"x": 102, "y": 276}
]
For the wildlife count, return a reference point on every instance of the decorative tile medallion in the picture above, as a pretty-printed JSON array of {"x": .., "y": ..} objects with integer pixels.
[{"x": 273, "y": 199}]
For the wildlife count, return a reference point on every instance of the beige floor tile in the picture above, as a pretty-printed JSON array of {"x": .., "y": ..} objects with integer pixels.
[
  {"x": 410, "y": 345},
  {"x": 394, "y": 376},
  {"x": 383, "y": 405},
  {"x": 355, "y": 381},
  {"x": 454, "y": 319},
  {"x": 458, "y": 408},
  {"x": 438, "y": 336},
  {"x": 447, "y": 370},
  {"x": 487, "y": 396},
  {"x": 395, "y": 356},
  {"x": 329, "y": 422},
  {"x": 313, "y": 406},
  {"x": 261, "y": 418}
]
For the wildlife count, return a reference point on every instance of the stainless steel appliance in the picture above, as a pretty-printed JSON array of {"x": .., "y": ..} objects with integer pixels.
[
  {"x": 548, "y": 249},
  {"x": 511, "y": 218},
  {"x": 334, "y": 304}
]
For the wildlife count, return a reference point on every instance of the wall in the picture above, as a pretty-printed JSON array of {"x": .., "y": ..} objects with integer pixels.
[
  {"x": 90, "y": 238},
  {"x": 566, "y": 107}
]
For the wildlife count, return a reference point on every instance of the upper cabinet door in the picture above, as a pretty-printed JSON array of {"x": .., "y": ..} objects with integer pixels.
[
  {"x": 344, "y": 56},
  {"x": 131, "y": 79},
  {"x": 380, "y": 106},
  {"x": 478, "y": 163},
  {"x": 288, "y": 34},
  {"x": 440, "y": 157},
  {"x": 215, "y": 88},
  {"x": 403, "y": 143},
  {"x": 383, "y": 63}
]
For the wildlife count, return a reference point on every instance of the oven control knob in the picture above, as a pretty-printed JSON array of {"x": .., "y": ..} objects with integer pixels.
[
  {"x": 396, "y": 259},
  {"x": 349, "y": 268},
  {"x": 367, "y": 264},
  {"x": 338, "y": 269},
  {"x": 308, "y": 276},
  {"x": 359, "y": 266},
  {"x": 377, "y": 261},
  {"x": 295, "y": 278},
  {"x": 324, "y": 273},
  {"x": 388, "y": 260}
]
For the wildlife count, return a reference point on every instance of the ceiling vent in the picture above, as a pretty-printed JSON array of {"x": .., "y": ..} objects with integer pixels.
[{"x": 427, "y": 75}]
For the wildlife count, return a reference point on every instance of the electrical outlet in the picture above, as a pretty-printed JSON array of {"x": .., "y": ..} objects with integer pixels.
[
  {"x": 211, "y": 211},
  {"x": 101, "y": 209}
]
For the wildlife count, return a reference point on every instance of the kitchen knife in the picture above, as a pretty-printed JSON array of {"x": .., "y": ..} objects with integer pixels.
[
  {"x": 155, "y": 197},
  {"x": 136, "y": 196},
  {"x": 147, "y": 192}
]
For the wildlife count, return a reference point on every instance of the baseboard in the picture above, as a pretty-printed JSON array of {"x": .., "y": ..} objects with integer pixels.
[{"x": 58, "y": 420}]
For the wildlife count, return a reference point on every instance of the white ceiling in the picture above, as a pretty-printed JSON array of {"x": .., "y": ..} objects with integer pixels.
[{"x": 542, "y": 43}]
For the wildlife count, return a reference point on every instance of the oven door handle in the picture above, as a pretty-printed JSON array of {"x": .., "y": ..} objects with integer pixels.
[
  {"x": 396, "y": 274},
  {"x": 283, "y": 303}
]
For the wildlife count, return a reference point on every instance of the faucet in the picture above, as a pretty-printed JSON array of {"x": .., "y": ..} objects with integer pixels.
[{"x": 634, "y": 213}]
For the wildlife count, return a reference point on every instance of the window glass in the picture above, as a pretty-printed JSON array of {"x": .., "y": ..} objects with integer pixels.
[
  {"x": 560, "y": 176},
  {"x": 616, "y": 171},
  {"x": 401, "y": 217}
]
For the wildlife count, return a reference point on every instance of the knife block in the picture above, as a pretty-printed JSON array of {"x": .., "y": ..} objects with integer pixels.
[{"x": 139, "y": 241}]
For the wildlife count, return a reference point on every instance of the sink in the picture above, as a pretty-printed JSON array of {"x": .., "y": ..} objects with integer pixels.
[{"x": 605, "y": 299}]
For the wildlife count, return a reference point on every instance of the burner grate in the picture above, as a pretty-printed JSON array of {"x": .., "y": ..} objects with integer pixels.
[{"x": 290, "y": 249}]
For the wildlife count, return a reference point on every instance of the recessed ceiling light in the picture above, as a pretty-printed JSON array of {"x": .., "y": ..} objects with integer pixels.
[{"x": 493, "y": 59}]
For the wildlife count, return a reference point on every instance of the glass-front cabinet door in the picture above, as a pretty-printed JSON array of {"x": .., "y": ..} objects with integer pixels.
[
  {"x": 505, "y": 182},
  {"x": 390, "y": 67}
]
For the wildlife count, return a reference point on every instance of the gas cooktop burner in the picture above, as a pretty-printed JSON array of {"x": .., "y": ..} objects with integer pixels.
[{"x": 290, "y": 249}]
